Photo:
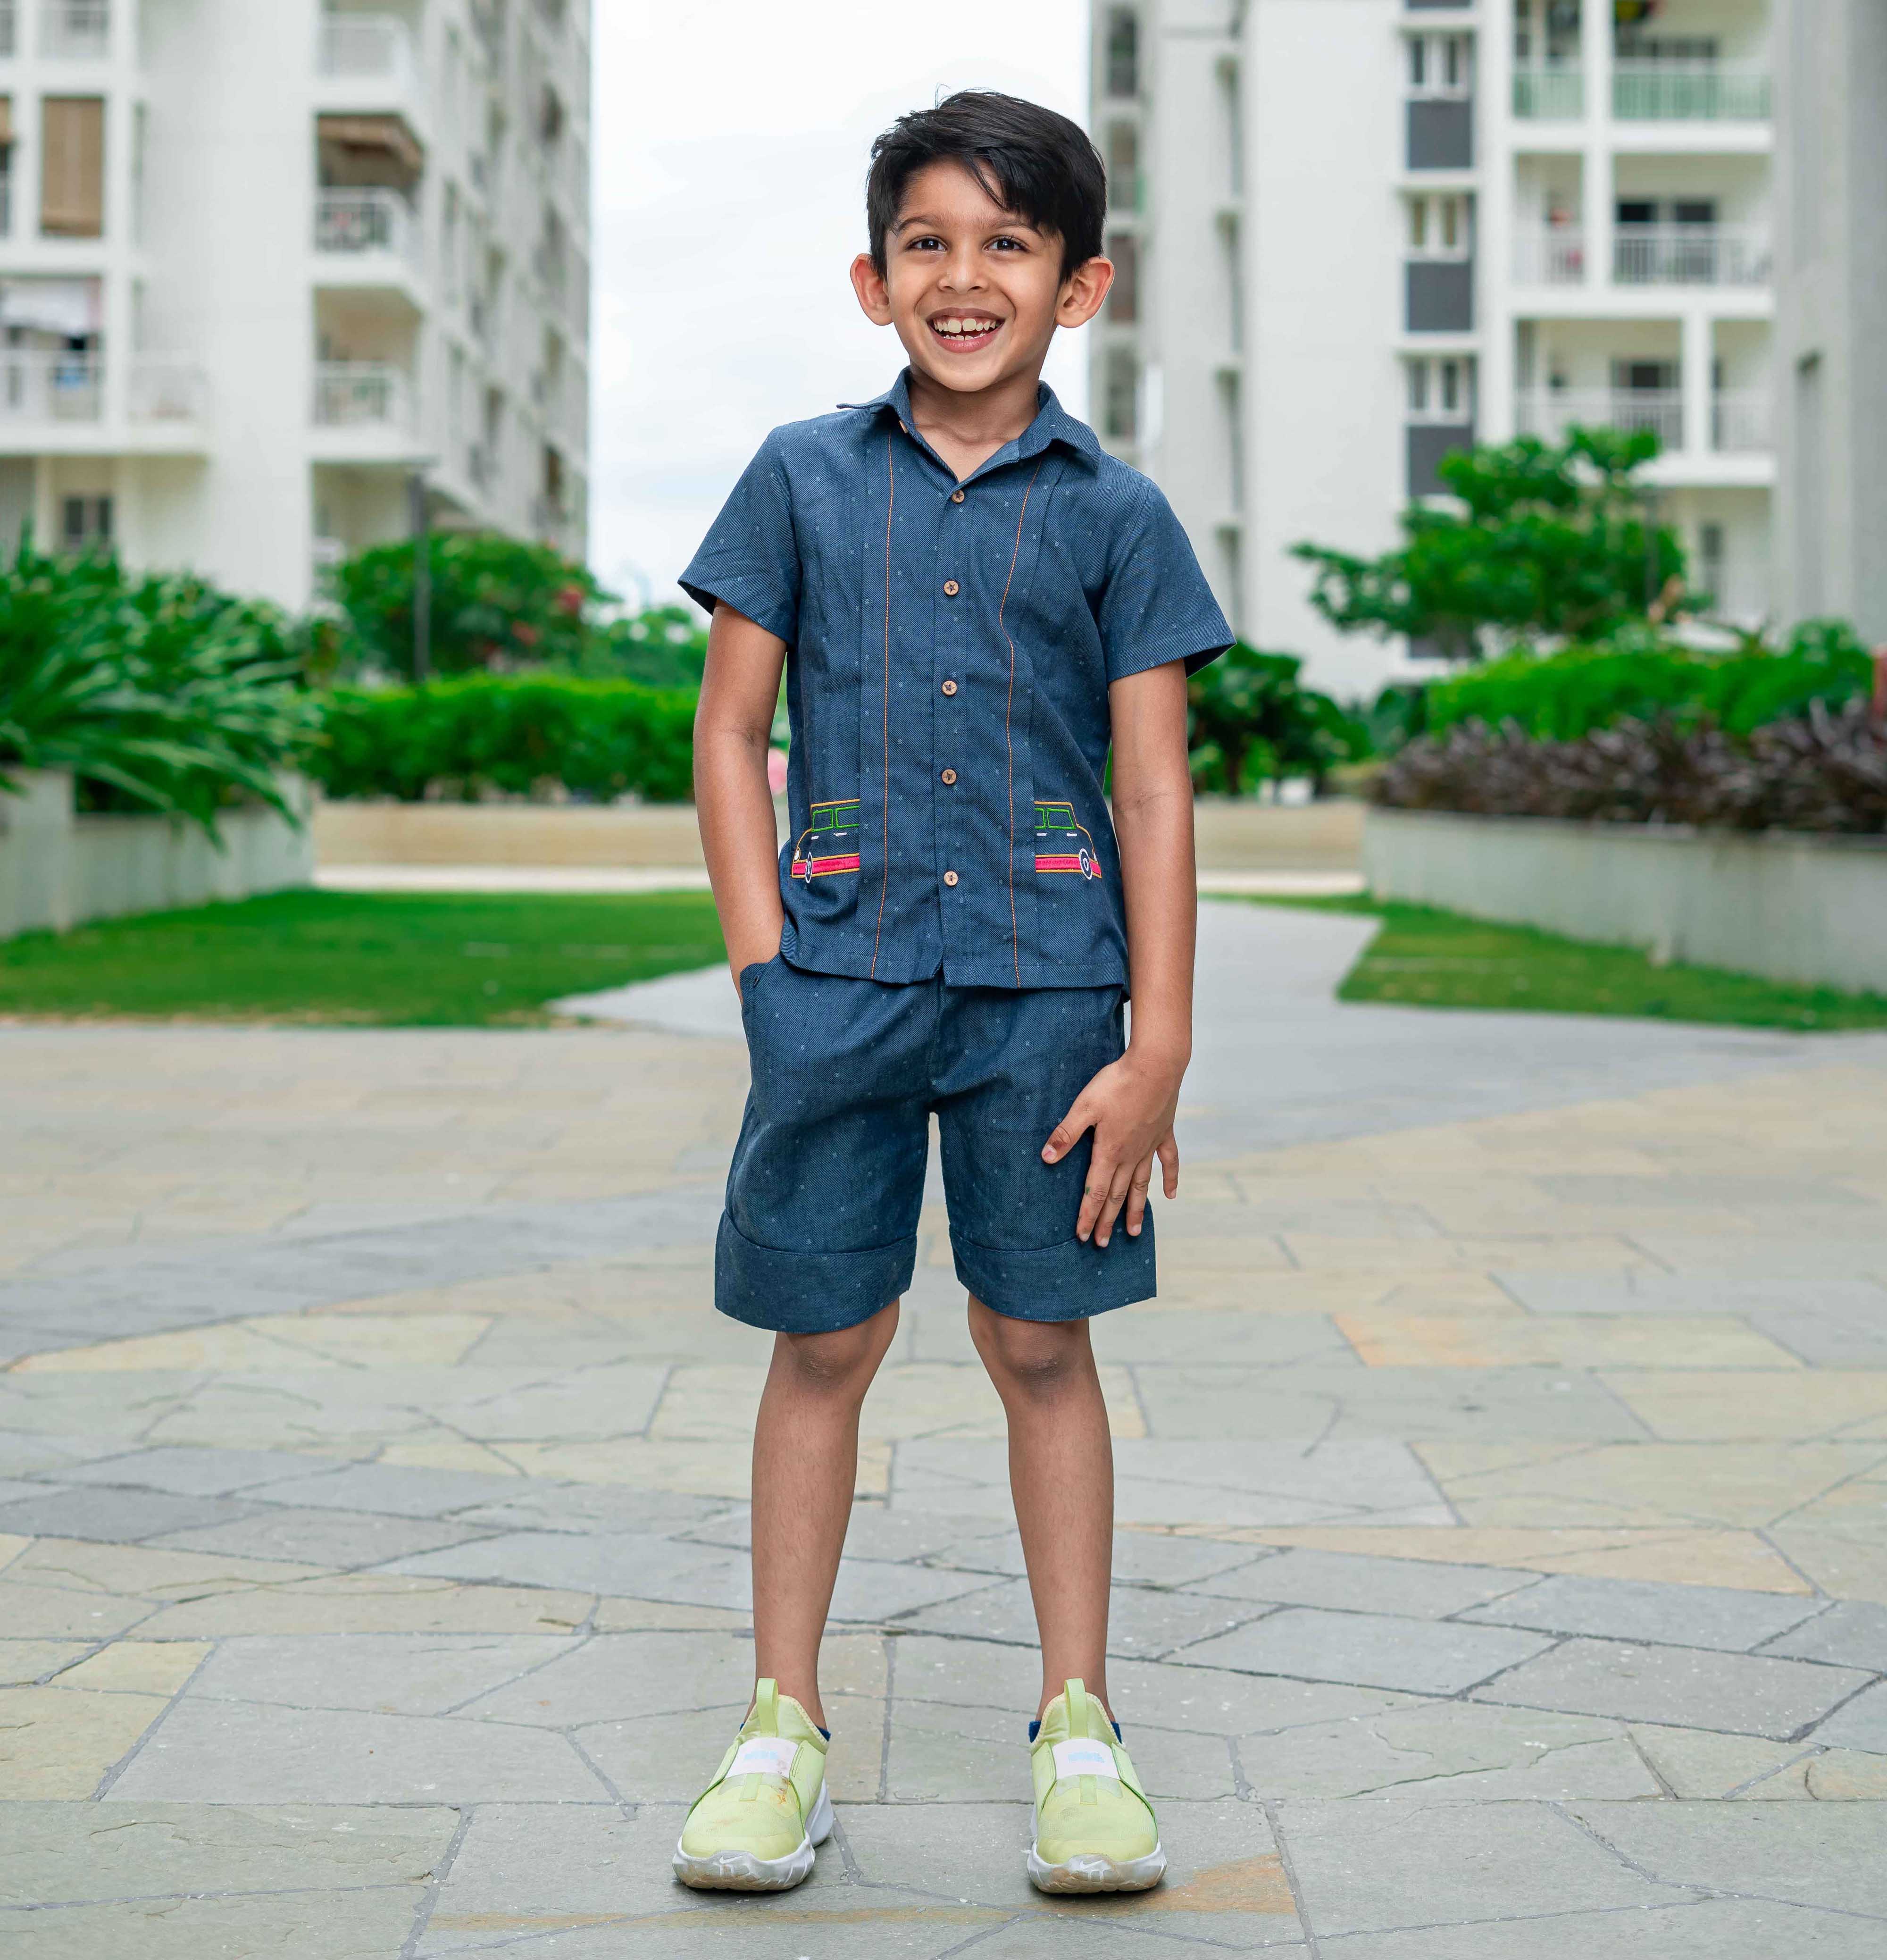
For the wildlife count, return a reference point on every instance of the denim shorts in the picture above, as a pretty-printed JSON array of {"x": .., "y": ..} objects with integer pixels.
[{"x": 820, "y": 1227}]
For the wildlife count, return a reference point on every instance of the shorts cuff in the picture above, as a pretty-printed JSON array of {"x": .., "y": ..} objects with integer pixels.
[
  {"x": 806, "y": 1292},
  {"x": 1070, "y": 1281}
]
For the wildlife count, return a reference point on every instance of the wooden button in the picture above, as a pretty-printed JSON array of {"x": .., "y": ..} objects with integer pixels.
[
  {"x": 950, "y": 687},
  {"x": 950, "y": 775},
  {"x": 956, "y": 496},
  {"x": 951, "y": 588},
  {"x": 950, "y": 877}
]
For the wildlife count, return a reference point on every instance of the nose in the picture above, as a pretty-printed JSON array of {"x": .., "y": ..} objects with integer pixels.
[{"x": 963, "y": 269}]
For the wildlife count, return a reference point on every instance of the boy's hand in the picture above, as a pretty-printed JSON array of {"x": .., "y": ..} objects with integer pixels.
[{"x": 1129, "y": 1106}]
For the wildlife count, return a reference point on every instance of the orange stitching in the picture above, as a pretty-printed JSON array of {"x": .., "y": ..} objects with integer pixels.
[
  {"x": 1009, "y": 738},
  {"x": 890, "y": 504}
]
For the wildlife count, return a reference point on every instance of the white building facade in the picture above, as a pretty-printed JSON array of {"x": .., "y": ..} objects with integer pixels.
[
  {"x": 262, "y": 264},
  {"x": 1362, "y": 232}
]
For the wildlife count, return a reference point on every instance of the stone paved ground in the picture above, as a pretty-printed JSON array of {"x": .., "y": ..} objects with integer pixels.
[{"x": 1502, "y": 1492}]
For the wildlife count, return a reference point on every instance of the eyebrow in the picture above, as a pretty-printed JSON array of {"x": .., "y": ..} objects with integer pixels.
[{"x": 937, "y": 223}]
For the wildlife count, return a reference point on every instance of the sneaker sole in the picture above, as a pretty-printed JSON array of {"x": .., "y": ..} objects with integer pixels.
[
  {"x": 1092, "y": 1873},
  {"x": 742, "y": 1871}
]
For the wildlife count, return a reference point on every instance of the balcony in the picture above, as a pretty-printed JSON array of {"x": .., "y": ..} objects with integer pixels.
[
  {"x": 1550, "y": 255},
  {"x": 1690, "y": 254},
  {"x": 374, "y": 48},
  {"x": 362, "y": 394},
  {"x": 38, "y": 386},
  {"x": 1551, "y": 415},
  {"x": 361, "y": 224},
  {"x": 164, "y": 388},
  {"x": 75, "y": 30},
  {"x": 1740, "y": 422},
  {"x": 1549, "y": 95},
  {"x": 1675, "y": 91}
]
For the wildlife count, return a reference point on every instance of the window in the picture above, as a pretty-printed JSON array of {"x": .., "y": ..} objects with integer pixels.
[
  {"x": 1123, "y": 167},
  {"x": 85, "y": 523},
  {"x": 1440, "y": 226},
  {"x": 1440, "y": 390},
  {"x": 1123, "y": 300},
  {"x": 1441, "y": 65},
  {"x": 1121, "y": 398},
  {"x": 6, "y": 161},
  {"x": 72, "y": 167},
  {"x": 1123, "y": 52}
]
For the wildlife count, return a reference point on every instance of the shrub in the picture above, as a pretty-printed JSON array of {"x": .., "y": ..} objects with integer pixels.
[
  {"x": 156, "y": 693},
  {"x": 662, "y": 646},
  {"x": 516, "y": 734},
  {"x": 1249, "y": 720},
  {"x": 1825, "y": 771},
  {"x": 1561, "y": 697}
]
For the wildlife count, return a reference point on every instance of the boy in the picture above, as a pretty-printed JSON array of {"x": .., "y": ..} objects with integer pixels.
[{"x": 972, "y": 602}]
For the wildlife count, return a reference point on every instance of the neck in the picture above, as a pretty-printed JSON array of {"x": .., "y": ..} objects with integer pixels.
[{"x": 986, "y": 419}]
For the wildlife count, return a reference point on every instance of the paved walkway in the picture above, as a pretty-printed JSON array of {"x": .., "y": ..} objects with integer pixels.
[{"x": 1502, "y": 1492}]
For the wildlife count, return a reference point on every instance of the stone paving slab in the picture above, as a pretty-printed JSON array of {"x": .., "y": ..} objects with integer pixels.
[{"x": 1504, "y": 1464}]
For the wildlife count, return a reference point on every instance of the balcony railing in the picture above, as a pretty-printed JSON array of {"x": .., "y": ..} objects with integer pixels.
[
  {"x": 1677, "y": 91},
  {"x": 37, "y": 386},
  {"x": 1550, "y": 255},
  {"x": 1690, "y": 254},
  {"x": 357, "y": 221},
  {"x": 1549, "y": 95},
  {"x": 366, "y": 47},
  {"x": 1740, "y": 423},
  {"x": 1551, "y": 414},
  {"x": 353, "y": 394},
  {"x": 75, "y": 29},
  {"x": 165, "y": 389}
]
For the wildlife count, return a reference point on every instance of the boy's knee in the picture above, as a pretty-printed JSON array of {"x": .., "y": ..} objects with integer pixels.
[
  {"x": 1035, "y": 1357},
  {"x": 840, "y": 1362}
]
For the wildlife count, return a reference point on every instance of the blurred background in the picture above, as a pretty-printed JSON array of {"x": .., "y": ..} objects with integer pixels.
[{"x": 367, "y": 372}]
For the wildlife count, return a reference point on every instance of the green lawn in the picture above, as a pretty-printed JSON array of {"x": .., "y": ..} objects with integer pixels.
[
  {"x": 370, "y": 960},
  {"x": 1426, "y": 957}
]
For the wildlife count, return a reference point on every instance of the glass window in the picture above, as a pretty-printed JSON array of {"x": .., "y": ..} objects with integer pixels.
[
  {"x": 1122, "y": 402},
  {"x": 1123, "y": 298},
  {"x": 1419, "y": 222},
  {"x": 1123, "y": 52},
  {"x": 1451, "y": 385},
  {"x": 1417, "y": 387}
]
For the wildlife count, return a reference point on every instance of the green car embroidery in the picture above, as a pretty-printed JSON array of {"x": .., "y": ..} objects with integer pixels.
[
  {"x": 1061, "y": 844},
  {"x": 830, "y": 843}
]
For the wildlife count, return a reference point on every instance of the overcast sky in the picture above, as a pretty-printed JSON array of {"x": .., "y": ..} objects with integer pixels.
[{"x": 729, "y": 141}]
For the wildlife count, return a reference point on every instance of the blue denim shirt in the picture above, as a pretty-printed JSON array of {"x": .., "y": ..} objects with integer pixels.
[{"x": 950, "y": 649}]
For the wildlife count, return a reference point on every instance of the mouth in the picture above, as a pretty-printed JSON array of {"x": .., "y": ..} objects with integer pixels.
[{"x": 963, "y": 331}]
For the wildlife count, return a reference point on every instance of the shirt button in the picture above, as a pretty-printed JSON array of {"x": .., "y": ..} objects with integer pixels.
[
  {"x": 950, "y": 687},
  {"x": 950, "y": 588},
  {"x": 950, "y": 877},
  {"x": 950, "y": 775},
  {"x": 956, "y": 496}
]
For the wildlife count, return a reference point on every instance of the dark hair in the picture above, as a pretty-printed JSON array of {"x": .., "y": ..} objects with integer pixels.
[{"x": 1040, "y": 166}]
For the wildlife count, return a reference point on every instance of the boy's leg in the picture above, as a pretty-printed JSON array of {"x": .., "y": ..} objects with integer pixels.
[
  {"x": 1061, "y": 1475},
  {"x": 805, "y": 1465}
]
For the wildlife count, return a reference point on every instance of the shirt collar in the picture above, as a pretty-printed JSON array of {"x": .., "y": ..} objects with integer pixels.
[{"x": 1052, "y": 422}]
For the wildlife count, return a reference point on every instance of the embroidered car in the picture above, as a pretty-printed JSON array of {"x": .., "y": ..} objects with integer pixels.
[
  {"x": 1061, "y": 844},
  {"x": 830, "y": 843}
]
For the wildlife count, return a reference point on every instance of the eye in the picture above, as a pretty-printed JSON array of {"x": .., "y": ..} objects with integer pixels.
[
  {"x": 929, "y": 243},
  {"x": 1009, "y": 244}
]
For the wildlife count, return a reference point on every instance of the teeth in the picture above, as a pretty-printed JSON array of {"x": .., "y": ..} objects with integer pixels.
[{"x": 963, "y": 326}]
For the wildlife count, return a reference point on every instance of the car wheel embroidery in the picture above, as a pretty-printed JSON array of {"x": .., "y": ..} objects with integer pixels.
[
  {"x": 830, "y": 843},
  {"x": 1061, "y": 844}
]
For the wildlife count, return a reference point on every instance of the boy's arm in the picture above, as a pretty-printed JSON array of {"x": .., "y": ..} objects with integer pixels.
[
  {"x": 732, "y": 725},
  {"x": 1130, "y": 1104}
]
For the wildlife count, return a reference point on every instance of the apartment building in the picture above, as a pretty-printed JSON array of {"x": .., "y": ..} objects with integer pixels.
[
  {"x": 1359, "y": 233},
  {"x": 264, "y": 266}
]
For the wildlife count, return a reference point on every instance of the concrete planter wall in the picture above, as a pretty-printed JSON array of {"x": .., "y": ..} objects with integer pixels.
[
  {"x": 1784, "y": 905},
  {"x": 58, "y": 869}
]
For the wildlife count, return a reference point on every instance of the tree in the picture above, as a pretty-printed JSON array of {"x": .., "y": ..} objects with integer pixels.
[
  {"x": 496, "y": 602},
  {"x": 1250, "y": 721},
  {"x": 1541, "y": 541}
]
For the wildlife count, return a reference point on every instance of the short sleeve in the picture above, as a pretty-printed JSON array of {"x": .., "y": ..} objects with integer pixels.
[
  {"x": 750, "y": 560},
  {"x": 1156, "y": 606}
]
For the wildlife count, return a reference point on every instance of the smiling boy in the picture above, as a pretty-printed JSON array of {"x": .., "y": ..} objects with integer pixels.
[{"x": 975, "y": 606}]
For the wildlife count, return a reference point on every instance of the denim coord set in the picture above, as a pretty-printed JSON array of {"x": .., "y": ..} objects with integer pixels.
[{"x": 955, "y": 939}]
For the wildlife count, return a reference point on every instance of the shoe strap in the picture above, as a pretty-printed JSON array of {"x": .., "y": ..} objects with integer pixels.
[
  {"x": 766, "y": 1715},
  {"x": 1075, "y": 1695}
]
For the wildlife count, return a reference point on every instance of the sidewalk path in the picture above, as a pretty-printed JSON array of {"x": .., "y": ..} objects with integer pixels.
[{"x": 1502, "y": 1488}]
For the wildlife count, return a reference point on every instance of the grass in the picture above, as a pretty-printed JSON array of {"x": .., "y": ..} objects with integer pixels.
[
  {"x": 357, "y": 959},
  {"x": 1426, "y": 957}
]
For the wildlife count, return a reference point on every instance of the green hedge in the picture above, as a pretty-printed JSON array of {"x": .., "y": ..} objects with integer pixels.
[
  {"x": 1563, "y": 697},
  {"x": 514, "y": 734}
]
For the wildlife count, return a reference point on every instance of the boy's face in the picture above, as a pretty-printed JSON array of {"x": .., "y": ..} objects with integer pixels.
[{"x": 975, "y": 293}]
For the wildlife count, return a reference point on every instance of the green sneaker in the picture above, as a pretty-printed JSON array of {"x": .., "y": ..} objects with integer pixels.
[
  {"x": 1094, "y": 1830},
  {"x": 753, "y": 1829}
]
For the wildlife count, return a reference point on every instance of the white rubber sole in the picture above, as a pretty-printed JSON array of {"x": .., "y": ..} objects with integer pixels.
[
  {"x": 742, "y": 1871},
  {"x": 1096, "y": 1874}
]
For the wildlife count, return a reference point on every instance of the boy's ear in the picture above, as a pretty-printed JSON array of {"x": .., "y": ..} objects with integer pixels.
[
  {"x": 1083, "y": 291},
  {"x": 874, "y": 296}
]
